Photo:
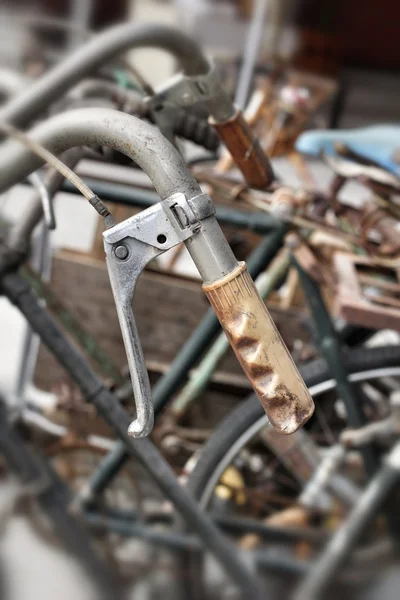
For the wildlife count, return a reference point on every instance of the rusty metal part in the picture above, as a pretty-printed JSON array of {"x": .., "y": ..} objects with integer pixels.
[
  {"x": 245, "y": 150},
  {"x": 251, "y": 115},
  {"x": 294, "y": 516},
  {"x": 282, "y": 201},
  {"x": 354, "y": 170},
  {"x": 372, "y": 432},
  {"x": 374, "y": 218},
  {"x": 353, "y": 304},
  {"x": 308, "y": 261},
  {"x": 260, "y": 350}
]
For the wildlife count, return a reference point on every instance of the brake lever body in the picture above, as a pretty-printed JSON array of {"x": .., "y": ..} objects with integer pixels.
[{"x": 129, "y": 247}]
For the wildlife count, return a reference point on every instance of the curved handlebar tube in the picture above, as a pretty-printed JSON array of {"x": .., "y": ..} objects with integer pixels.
[
  {"x": 142, "y": 142},
  {"x": 22, "y": 109},
  {"x": 232, "y": 129}
]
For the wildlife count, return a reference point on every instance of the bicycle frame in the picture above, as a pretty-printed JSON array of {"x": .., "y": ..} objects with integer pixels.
[
  {"x": 19, "y": 293},
  {"x": 38, "y": 480}
]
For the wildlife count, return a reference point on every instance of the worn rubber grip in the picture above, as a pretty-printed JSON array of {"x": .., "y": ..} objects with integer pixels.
[
  {"x": 260, "y": 349},
  {"x": 245, "y": 149}
]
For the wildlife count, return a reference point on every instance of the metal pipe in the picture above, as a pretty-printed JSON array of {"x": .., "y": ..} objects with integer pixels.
[
  {"x": 50, "y": 87},
  {"x": 251, "y": 52},
  {"x": 345, "y": 538},
  {"x": 11, "y": 83},
  {"x": 30, "y": 346},
  {"x": 140, "y": 141},
  {"x": 41, "y": 262},
  {"x": 236, "y": 526},
  {"x": 18, "y": 238},
  {"x": 331, "y": 349},
  {"x": 47, "y": 205},
  {"x": 80, "y": 14}
]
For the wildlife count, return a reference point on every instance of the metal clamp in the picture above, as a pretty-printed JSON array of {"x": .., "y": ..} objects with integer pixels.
[
  {"x": 186, "y": 91},
  {"x": 129, "y": 247},
  {"x": 183, "y": 92}
]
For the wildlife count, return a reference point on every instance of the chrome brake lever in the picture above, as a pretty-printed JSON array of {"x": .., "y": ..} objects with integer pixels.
[{"x": 129, "y": 247}]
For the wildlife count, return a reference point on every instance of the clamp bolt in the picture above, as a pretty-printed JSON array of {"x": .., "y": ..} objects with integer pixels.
[{"x": 121, "y": 252}]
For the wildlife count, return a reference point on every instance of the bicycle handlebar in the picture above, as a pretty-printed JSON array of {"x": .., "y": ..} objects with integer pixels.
[
  {"x": 25, "y": 107},
  {"x": 184, "y": 215}
]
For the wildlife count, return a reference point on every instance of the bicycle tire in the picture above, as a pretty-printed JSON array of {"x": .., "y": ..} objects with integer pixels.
[{"x": 240, "y": 420}]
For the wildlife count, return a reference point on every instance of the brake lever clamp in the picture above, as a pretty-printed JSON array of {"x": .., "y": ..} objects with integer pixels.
[
  {"x": 129, "y": 247},
  {"x": 183, "y": 92},
  {"x": 186, "y": 91}
]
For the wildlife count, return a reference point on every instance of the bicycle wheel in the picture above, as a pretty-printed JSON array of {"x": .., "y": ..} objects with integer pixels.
[
  {"x": 237, "y": 475},
  {"x": 371, "y": 369}
]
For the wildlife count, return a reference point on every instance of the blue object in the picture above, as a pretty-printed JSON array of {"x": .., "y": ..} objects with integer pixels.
[{"x": 378, "y": 144}]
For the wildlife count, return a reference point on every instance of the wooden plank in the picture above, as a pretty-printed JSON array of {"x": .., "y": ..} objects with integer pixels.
[{"x": 167, "y": 309}]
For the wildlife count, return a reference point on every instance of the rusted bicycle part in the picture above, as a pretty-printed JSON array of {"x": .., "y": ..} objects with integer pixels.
[
  {"x": 356, "y": 170},
  {"x": 368, "y": 291},
  {"x": 251, "y": 115},
  {"x": 295, "y": 516},
  {"x": 245, "y": 149},
  {"x": 374, "y": 218}
]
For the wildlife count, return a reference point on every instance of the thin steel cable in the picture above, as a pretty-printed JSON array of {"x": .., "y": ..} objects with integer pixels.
[{"x": 55, "y": 162}]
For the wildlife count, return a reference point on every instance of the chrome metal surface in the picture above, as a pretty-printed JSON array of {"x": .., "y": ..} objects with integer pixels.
[
  {"x": 185, "y": 92},
  {"x": 142, "y": 142},
  {"x": 47, "y": 204},
  {"x": 50, "y": 87},
  {"x": 129, "y": 247},
  {"x": 11, "y": 83},
  {"x": 211, "y": 252},
  {"x": 251, "y": 52}
]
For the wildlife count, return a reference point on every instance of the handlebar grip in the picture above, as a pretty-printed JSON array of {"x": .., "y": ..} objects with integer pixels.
[
  {"x": 260, "y": 350},
  {"x": 245, "y": 149}
]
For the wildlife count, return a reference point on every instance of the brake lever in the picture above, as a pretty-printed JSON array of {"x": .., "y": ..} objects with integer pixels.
[
  {"x": 129, "y": 247},
  {"x": 132, "y": 244}
]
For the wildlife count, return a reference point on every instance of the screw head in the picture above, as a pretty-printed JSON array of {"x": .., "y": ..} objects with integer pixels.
[{"x": 121, "y": 252}]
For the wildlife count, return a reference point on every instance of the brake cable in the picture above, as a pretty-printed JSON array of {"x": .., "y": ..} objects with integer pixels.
[{"x": 57, "y": 164}]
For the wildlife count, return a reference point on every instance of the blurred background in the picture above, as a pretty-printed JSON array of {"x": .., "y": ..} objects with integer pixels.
[{"x": 346, "y": 54}]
